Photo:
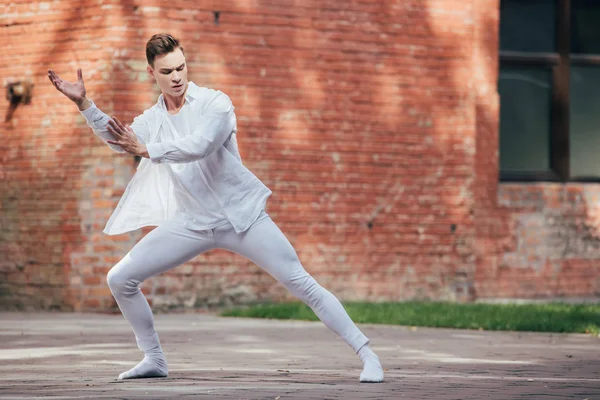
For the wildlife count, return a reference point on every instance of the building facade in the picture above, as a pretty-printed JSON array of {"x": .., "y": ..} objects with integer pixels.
[{"x": 398, "y": 170}]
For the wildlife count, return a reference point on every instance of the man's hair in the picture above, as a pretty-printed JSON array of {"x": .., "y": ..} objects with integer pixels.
[{"x": 160, "y": 44}]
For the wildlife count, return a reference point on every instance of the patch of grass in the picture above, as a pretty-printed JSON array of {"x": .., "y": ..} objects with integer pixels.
[{"x": 551, "y": 317}]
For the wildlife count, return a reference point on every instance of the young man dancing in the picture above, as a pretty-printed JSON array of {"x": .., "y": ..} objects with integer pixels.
[{"x": 191, "y": 184}]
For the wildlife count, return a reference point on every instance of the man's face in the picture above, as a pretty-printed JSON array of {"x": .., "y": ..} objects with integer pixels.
[{"x": 170, "y": 72}]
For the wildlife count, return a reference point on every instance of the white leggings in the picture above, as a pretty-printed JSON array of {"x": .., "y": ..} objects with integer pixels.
[{"x": 172, "y": 244}]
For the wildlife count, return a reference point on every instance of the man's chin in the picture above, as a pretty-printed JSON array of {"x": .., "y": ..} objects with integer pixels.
[{"x": 178, "y": 92}]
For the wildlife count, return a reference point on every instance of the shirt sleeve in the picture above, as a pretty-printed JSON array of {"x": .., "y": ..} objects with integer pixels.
[
  {"x": 215, "y": 126},
  {"x": 98, "y": 121}
]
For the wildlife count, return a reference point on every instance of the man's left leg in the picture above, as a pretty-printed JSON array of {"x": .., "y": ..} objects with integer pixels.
[{"x": 267, "y": 246}]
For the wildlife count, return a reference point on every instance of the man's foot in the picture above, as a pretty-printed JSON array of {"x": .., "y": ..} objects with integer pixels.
[
  {"x": 155, "y": 367},
  {"x": 372, "y": 369}
]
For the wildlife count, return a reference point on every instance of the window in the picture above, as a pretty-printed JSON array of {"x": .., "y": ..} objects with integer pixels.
[{"x": 549, "y": 86}]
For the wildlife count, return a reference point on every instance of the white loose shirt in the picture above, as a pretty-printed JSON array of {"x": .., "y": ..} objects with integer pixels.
[
  {"x": 197, "y": 174},
  {"x": 204, "y": 213}
]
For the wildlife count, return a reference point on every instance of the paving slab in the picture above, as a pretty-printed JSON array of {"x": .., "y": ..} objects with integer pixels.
[{"x": 75, "y": 356}]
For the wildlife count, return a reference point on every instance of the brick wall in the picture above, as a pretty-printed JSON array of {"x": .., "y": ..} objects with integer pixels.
[
  {"x": 374, "y": 123},
  {"x": 537, "y": 240},
  {"x": 547, "y": 244}
]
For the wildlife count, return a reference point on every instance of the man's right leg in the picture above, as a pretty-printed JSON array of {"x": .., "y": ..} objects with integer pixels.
[{"x": 166, "y": 247}]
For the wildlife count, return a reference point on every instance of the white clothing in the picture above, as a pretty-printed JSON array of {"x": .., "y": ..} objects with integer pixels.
[
  {"x": 172, "y": 244},
  {"x": 208, "y": 155},
  {"x": 201, "y": 196},
  {"x": 205, "y": 213}
]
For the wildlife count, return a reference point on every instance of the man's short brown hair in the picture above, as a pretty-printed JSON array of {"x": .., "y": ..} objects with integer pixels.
[{"x": 160, "y": 44}]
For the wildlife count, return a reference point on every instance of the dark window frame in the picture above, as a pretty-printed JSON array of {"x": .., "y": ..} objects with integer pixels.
[{"x": 560, "y": 62}]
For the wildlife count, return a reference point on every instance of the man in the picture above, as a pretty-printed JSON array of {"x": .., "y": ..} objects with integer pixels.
[{"x": 192, "y": 185}]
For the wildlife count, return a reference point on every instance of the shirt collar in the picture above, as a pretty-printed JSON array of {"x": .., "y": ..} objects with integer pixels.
[{"x": 191, "y": 94}]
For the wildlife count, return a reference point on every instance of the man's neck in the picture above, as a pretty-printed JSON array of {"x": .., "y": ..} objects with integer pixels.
[{"x": 174, "y": 103}]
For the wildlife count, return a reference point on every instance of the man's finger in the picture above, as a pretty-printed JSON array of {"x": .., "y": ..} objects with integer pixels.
[
  {"x": 79, "y": 75},
  {"x": 56, "y": 79},
  {"x": 51, "y": 77},
  {"x": 111, "y": 127},
  {"x": 113, "y": 124},
  {"x": 119, "y": 124},
  {"x": 116, "y": 128},
  {"x": 52, "y": 80},
  {"x": 113, "y": 131}
]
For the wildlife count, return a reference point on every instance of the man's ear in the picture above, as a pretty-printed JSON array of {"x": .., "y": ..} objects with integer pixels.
[{"x": 150, "y": 71}]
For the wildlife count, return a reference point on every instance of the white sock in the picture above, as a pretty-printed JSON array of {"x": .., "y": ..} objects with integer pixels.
[
  {"x": 154, "y": 365},
  {"x": 372, "y": 370}
]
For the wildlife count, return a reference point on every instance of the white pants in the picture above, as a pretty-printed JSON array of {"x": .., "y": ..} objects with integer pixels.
[{"x": 172, "y": 244}]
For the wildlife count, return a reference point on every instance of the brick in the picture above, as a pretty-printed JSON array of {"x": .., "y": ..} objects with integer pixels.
[
  {"x": 92, "y": 280},
  {"x": 376, "y": 125}
]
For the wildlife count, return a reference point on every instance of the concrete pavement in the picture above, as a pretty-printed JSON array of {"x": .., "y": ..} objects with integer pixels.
[{"x": 73, "y": 356}]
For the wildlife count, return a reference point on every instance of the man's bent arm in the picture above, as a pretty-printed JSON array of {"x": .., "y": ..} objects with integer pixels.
[
  {"x": 98, "y": 121},
  {"x": 215, "y": 127}
]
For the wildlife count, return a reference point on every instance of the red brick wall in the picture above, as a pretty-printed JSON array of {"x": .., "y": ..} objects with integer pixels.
[
  {"x": 537, "y": 240},
  {"x": 375, "y": 124}
]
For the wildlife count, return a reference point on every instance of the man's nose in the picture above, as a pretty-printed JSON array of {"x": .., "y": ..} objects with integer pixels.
[{"x": 176, "y": 77}]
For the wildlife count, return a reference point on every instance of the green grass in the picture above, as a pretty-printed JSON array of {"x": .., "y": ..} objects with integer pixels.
[{"x": 552, "y": 317}]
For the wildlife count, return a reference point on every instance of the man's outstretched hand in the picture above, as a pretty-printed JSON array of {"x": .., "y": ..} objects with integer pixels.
[
  {"x": 75, "y": 91},
  {"x": 125, "y": 137}
]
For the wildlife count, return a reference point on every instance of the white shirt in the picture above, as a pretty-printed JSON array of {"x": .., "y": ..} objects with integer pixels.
[
  {"x": 184, "y": 169},
  {"x": 204, "y": 213}
]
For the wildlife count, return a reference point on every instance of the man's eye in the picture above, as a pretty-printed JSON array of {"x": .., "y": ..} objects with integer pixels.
[{"x": 180, "y": 69}]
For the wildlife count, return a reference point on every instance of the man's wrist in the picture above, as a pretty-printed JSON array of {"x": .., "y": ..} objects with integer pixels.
[
  {"x": 143, "y": 151},
  {"x": 83, "y": 104}
]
